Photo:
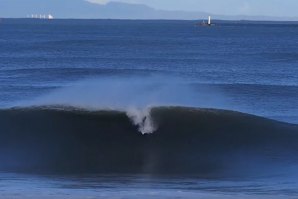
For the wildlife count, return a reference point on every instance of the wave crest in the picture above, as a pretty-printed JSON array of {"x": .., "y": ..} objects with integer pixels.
[{"x": 201, "y": 141}]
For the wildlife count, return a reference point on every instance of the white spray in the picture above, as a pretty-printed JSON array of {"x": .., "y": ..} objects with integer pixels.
[
  {"x": 142, "y": 118},
  {"x": 134, "y": 96}
]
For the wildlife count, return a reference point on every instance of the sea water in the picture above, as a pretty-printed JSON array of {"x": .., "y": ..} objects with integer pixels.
[{"x": 66, "y": 67}]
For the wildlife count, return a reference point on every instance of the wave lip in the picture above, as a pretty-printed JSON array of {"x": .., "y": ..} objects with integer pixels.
[{"x": 185, "y": 140}]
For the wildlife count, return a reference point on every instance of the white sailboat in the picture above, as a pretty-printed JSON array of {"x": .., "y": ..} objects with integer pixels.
[{"x": 209, "y": 23}]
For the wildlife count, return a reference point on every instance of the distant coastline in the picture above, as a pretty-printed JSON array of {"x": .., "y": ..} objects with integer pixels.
[
  {"x": 79, "y": 9},
  {"x": 218, "y": 21}
]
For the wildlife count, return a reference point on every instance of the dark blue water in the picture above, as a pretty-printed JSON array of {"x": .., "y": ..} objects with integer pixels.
[
  {"x": 132, "y": 65},
  {"x": 253, "y": 66}
]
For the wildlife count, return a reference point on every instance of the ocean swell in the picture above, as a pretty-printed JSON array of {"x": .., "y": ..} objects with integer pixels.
[{"x": 185, "y": 140}]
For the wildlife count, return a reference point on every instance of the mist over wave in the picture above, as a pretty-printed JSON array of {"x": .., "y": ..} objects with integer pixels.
[
  {"x": 94, "y": 125},
  {"x": 133, "y": 95},
  {"x": 122, "y": 93}
]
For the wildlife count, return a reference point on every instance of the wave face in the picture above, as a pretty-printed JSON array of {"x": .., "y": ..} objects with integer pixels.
[{"x": 185, "y": 140}]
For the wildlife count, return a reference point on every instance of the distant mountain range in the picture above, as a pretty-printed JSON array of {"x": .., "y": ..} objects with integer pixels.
[{"x": 113, "y": 10}]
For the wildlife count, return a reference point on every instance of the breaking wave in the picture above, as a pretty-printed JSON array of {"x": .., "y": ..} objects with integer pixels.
[
  {"x": 140, "y": 125},
  {"x": 185, "y": 140}
]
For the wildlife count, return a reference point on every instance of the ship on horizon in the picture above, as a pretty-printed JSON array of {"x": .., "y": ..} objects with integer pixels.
[
  {"x": 209, "y": 23},
  {"x": 41, "y": 16}
]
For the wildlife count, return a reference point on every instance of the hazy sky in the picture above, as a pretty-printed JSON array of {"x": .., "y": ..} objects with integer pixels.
[{"x": 226, "y": 7}]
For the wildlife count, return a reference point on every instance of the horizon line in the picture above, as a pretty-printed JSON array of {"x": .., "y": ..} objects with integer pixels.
[{"x": 149, "y": 19}]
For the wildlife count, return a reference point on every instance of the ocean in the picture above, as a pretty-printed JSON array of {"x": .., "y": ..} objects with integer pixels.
[{"x": 148, "y": 109}]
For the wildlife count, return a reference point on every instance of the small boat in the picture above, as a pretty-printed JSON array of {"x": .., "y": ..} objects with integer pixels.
[
  {"x": 208, "y": 23},
  {"x": 41, "y": 16},
  {"x": 50, "y": 16}
]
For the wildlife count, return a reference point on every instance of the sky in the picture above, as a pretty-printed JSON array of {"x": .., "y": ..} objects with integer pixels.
[{"x": 280, "y": 8}]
